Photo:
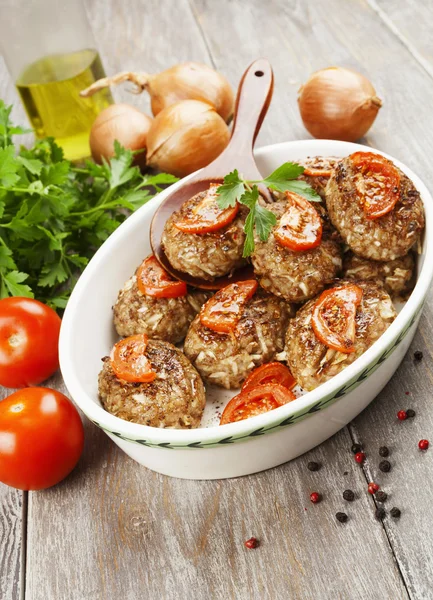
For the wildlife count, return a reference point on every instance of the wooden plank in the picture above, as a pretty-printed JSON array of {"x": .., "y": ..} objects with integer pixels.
[
  {"x": 13, "y": 510},
  {"x": 9, "y": 95},
  {"x": 312, "y": 37},
  {"x": 410, "y": 21},
  {"x": 117, "y": 531},
  {"x": 145, "y": 37},
  {"x": 12, "y": 526},
  {"x": 408, "y": 482},
  {"x": 132, "y": 533}
]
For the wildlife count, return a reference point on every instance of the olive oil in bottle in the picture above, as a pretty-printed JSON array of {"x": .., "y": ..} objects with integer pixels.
[{"x": 50, "y": 91}]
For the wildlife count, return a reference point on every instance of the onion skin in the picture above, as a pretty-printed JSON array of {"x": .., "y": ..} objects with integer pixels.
[
  {"x": 123, "y": 123},
  {"x": 337, "y": 103},
  {"x": 191, "y": 81},
  {"x": 185, "y": 81},
  {"x": 186, "y": 136}
]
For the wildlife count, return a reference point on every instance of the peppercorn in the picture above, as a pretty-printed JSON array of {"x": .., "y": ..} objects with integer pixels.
[
  {"x": 381, "y": 496},
  {"x": 315, "y": 497},
  {"x": 356, "y": 448},
  {"x": 384, "y": 451},
  {"x": 372, "y": 488},
  {"x": 402, "y": 415},
  {"x": 423, "y": 444},
  {"x": 410, "y": 413},
  {"x": 313, "y": 466},
  {"x": 418, "y": 355},
  {"x": 395, "y": 512},
  {"x": 385, "y": 466},
  {"x": 252, "y": 543},
  {"x": 341, "y": 516},
  {"x": 380, "y": 513},
  {"x": 360, "y": 457},
  {"x": 349, "y": 495}
]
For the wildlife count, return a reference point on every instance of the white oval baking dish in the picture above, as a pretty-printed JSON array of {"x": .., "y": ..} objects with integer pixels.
[{"x": 247, "y": 446}]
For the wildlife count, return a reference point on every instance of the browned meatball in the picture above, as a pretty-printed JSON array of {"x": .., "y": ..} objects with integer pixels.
[
  {"x": 318, "y": 163},
  {"x": 227, "y": 359},
  {"x": 295, "y": 276},
  {"x": 395, "y": 275},
  {"x": 160, "y": 318},
  {"x": 176, "y": 398},
  {"x": 311, "y": 362},
  {"x": 384, "y": 238},
  {"x": 207, "y": 255}
]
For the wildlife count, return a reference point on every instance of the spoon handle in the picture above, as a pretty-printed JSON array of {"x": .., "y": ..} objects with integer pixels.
[{"x": 252, "y": 103}]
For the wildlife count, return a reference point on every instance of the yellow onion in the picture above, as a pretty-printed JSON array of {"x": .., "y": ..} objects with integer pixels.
[
  {"x": 186, "y": 136},
  {"x": 186, "y": 81},
  {"x": 123, "y": 123},
  {"x": 339, "y": 104}
]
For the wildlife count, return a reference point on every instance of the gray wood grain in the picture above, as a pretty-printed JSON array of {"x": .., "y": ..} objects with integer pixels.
[
  {"x": 115, "y": 530},
  {"x": 13, "y": 515},
  {"x": 409, "y": 481},
  {"x": 310, "y": 36},
  {"x": 11, "y": 524},
  {"x": 12, "y": 502},
  {"x": 411, "y": 22}
]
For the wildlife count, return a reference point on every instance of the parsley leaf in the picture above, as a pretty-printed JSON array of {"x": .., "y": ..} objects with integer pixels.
[
  {"x": 231, "y": 190},
  {"x": 33, "y": 165},
  {"x": 259, "y": 217},
  {"x": 55, "y": 174},
  {"x": 303, "y": 189},
  {"x": 120, "y": 170},
  {"x": 159, "y": 179},
  {"x": 13, "y": 282},
  {"x": 279, "y": 177},
  {"x": 236, "y": 189},
  {"x": 54, "y": 215},
  {"x": 8, "y": 167}
]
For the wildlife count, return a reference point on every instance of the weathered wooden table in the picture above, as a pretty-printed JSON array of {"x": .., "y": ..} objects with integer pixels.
[{"x": 116, "y": 531}]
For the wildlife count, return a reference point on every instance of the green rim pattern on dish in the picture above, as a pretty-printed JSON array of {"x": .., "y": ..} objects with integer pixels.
[{"x": 292, "y": 419}]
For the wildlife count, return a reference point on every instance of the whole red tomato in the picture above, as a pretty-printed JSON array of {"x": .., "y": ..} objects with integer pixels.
[
  {"x": 41, "y": 438},
  {"x": 29, "y": 337}
]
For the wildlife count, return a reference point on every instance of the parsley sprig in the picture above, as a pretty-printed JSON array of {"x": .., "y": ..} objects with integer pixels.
[
  {"x": 236, "y": 189},
  {"x": 53, "y": 215}
]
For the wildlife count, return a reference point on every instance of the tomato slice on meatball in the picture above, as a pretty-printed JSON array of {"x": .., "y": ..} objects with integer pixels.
[
  {"x": 222, "y": 312},
  {"x": 256, "y": 401},
  {"x": 129, "y": 362},
  {"x": 274, "y": 372},
  {"x": 318, "y": 172},
  {"x": 153, "y": 280},
  {"x": 377, "y": 182},
  {"x": 333, "y": 317},
  {"x": 300, "y": 227},
  {"x": 207, "y": 216}
]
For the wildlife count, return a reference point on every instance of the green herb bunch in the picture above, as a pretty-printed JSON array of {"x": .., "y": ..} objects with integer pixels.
[
  {"x": 236, "y": 189},
  {"x": 53, "y": 215}
]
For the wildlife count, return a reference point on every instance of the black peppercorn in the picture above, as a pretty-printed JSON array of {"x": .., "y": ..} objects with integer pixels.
[
  {"x": 418, "y": 355},
  {"x": 380, "y": 513},
  {"x": 348, "y": 495},
  {"x": 381, "y": 496},
  {"x": 356, "y": 448},
  {"x": 385, "y": 466},
  {"x": 395, "y": 512},
  {"x": 313, "y": 466},
  {"x": 342, "y": 517},
  {"x": 384, "y": 451},
  {"x": 410, "y": 413}
]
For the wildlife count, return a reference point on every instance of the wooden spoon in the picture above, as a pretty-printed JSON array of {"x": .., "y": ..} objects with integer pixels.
[{"x": 252, "y": 103}]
